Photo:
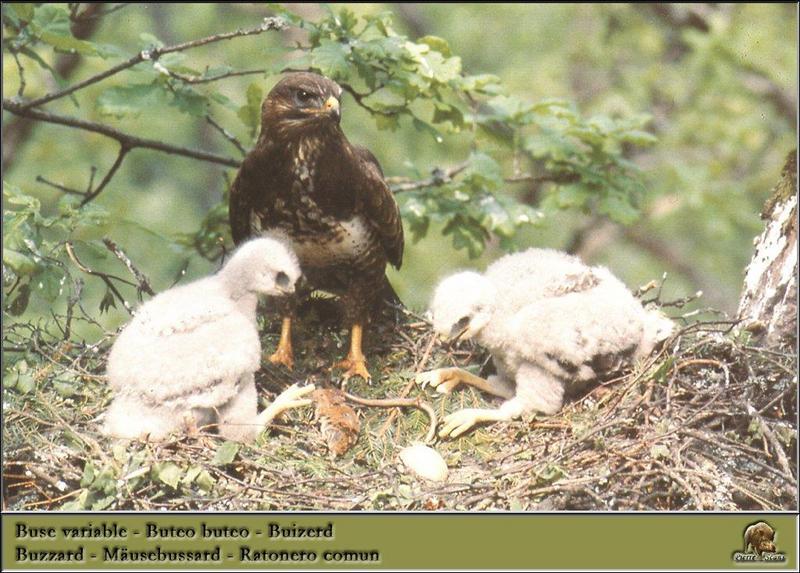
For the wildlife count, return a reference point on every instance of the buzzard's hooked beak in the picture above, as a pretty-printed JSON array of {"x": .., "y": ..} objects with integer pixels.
[{"x": 332, "y": 107}]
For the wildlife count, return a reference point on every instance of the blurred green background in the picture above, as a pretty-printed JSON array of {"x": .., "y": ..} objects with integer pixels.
[{"x": 718, "y": 81}]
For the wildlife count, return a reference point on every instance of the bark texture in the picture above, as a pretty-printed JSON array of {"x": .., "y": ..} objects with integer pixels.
[{"x": 768, "y": 306}]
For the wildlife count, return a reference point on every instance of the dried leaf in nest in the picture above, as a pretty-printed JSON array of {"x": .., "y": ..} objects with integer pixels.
[{"x": 338, "y": 421}]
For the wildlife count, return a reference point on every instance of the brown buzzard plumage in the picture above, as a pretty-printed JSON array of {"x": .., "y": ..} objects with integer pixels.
[{"x": 303, "y": 180}]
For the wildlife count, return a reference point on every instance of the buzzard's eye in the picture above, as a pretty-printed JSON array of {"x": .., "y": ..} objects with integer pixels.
[{"x": 304, "y": 97}]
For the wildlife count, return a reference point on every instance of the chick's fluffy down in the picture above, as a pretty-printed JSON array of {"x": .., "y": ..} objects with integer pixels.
[{"x": 189, "y": 345}]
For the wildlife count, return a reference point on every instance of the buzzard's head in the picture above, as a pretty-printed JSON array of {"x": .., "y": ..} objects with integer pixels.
[
  {"x": 301, "y": 103},
  {"x": 463, "y": 305}
]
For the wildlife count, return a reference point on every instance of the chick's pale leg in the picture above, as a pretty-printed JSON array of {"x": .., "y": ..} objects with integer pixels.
[
  {"x": 537, "y": 391},
  {"x": 290, "y": 398},
  {"x": 238, "y": 419},
  {"x": 355, "y": 364},
  {"x": 445, "y": 381},
  {"x": 284, "y": 353}
]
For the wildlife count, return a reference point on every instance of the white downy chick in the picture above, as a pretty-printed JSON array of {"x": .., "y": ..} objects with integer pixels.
[
  {"x": 188, "y": 357},
  {"x": 551, "y": 323}
]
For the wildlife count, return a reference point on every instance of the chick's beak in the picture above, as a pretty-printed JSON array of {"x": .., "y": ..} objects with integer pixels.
[{"x": 332, "y": 107}]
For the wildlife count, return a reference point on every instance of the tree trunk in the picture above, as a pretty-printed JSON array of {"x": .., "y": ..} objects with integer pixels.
[{"x": 768, "y": 307}]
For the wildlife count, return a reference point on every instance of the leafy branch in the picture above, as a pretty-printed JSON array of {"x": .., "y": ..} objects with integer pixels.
[{"x": 153, "y": 55}]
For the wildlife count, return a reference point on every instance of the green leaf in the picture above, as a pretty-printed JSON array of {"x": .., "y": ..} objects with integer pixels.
[
  {"x": 467, "y": 234},
  {"x": 21, "y": 264},
  {"x": 23, "y": 10},
  {"x": 330, "y": 58},
  {"x": 390, "y": 122},
  {"x": 483, "y": 171},
  {"x": 225, "y": 453},
  {"x": 425, "y": 127},
  {"x": 437, "y": 43},
  {"x": 48, "y": 283},
  {"x": 108, "y": 301},
  {"x": 618, "y": 209},
  {"x": 103, "y": 502},
  {"x": 385, "y": 99},
  {"x": 51, "y": 18},
  {"x": 250, "y": 112},
  {"x": 189, "y": 101},
  {"x": 17, "y": 306},
  {"x": 51, "y": 24},
  {"x": 25, "y": 383},
  {"x": 204, "y": 481},
  {"x": 168, "y": 473},
  {"x": 88, "y": 474},
  {"x": 638, "y": 137},
  {"x": 131, "y": 100},
  {"x": 446, "y": 112},
  {"x": 191, "y": 473},
  {"x": 78, "y": 503}
]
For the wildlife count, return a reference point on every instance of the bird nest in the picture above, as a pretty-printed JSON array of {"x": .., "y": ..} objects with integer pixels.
[{"x": 709, "y": 423}]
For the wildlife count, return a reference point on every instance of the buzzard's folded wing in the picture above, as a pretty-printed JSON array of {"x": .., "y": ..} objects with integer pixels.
[{"x": 380, "y": 206}]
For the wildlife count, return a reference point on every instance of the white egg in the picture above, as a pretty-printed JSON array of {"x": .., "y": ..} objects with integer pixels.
[{"x": 424, "y": 461}]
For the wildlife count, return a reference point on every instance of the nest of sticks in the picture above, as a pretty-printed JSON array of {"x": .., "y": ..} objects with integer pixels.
[{"x": 709, "y": 423}]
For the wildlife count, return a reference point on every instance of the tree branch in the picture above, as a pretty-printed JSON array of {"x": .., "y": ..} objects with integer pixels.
[
  {"x": 441, "y": 177},
  {"x": 204, "y": 80},
  {"x": 17, "y": 130},
  {"x": 227, "y": 135},
  {"x": 106, "y": 278},
  {"x": 124, "y": 139},
  {"x": 141, "y": 278},
  {"x": 90, "y": 194},
  {"x": 153, "y": 55},
  {"x": 438, "y": 178}
]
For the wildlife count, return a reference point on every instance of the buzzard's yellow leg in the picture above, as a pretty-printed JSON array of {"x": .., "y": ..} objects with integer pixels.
[
  {"x": 284, "y": 354},
  {"x": 355, "y": 364}
]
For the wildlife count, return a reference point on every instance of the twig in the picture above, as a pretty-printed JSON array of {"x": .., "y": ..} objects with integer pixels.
[
  {"x": 438, "y": 178},
  {"x": 124, "y": 139},
  {"x": 153, "y": 55},
  {"x": 59, "y": 186},
  {"x": 91, "y": 194},
  {"x": 204, "y": 80},
  {"x": 106, "y": 278},
  {"x": 409, "y": 386},
  {"x": 144, "y": 283},
  {"x": 401, "y": 403},
  {"x": 767, "y": 432},
  {"x": 21, "y": 69},
  {"x": 441, "y": 177},
  {"x": 227, "y": 135}
]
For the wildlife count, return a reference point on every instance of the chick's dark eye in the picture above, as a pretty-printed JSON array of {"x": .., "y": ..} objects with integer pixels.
[{"x": 282, "y": 279}]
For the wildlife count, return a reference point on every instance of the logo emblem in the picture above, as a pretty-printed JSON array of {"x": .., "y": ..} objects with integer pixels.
[{"x": 759, "y": 545}]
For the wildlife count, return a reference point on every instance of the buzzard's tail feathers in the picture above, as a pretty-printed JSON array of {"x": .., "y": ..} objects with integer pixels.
[{"x": 391, "y": 305}]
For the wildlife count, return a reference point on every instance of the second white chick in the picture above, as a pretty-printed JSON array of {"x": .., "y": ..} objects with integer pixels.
[
  {"x": 551, "y": 323},
  {"x": 188, "y": 357}
]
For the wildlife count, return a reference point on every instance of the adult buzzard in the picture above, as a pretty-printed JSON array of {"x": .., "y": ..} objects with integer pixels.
[{"x": 305, "y": 182}]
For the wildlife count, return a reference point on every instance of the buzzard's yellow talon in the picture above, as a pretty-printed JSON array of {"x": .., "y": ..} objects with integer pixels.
[
  {"x": 283, "y": 356},
  {"x": 284, "y": 353},
  {"x": 354, "y": 367},
  {"x": 355, "y": 364}
]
